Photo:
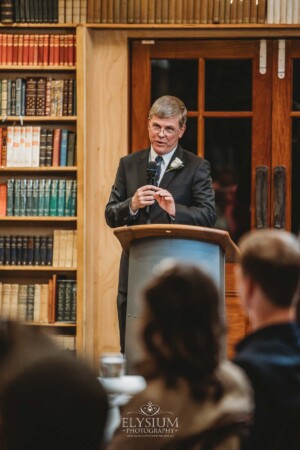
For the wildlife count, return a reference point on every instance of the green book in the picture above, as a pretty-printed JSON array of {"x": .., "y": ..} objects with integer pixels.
[
  {"x": 47, "y": 197},
  {"x": 29, "y": 198},
  {"x": 71, "y": 149},
  {"x": 69, "y": 184},
  {"x": 41, "y": 197},
  {"x": 61, "y": 201},
  {"x": 73, "y": 199},
  {"x": 74, "y": 302},
  {"x": 10, "y": 197},
  {"x": 68, "y": 301},
  {"x": 17, "y": 190},
  {"x": 60, "y": 303},
  {"x": 23, "y": 193},
  {"x": 35, "y": 196},
  {"x": 53, "y": 197}
]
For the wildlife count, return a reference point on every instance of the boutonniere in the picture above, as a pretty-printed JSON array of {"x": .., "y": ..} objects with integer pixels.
[{"x": 175, "y": 165}]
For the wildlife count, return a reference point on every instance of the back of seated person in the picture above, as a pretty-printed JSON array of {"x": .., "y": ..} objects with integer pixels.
[
  {"x": 50, "y": 400},
  {"x": 191, "y": 391}
]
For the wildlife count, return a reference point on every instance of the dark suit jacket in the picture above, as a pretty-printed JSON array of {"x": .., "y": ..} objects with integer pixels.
[
  {"x": 190, "y": 186},
  {"x": 271, "y": 358}
]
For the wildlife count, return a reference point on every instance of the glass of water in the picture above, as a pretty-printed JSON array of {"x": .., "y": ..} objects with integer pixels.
[{"x": 112, "y": 365}]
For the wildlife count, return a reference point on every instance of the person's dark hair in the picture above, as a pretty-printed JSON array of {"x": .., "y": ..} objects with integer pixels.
[
  {"x": 169, "y": 106},
  {"x": 54, "y": 403},
  {"x": 272, "y": 259},
  {"x": 183, "y": 329}
]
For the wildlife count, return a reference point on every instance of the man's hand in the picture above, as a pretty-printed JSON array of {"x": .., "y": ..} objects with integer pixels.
[
  {"x": 165, "y": 201},
  {"x": 144, "y": 196}
]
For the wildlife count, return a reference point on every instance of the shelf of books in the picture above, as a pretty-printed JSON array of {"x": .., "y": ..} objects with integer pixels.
[{"x": 39, "y": 179}]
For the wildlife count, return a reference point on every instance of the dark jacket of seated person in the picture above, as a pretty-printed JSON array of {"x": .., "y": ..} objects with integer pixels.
[{"x": 268, "y": 279}]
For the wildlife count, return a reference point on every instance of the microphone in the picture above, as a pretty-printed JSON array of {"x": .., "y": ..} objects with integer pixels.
[{"x": 151, "y": 172}]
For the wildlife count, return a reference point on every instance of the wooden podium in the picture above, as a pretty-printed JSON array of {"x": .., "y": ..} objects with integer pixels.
[{"x": 149, "y": 245}]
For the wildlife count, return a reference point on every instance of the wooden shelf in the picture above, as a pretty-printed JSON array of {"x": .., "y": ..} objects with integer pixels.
[
  {"x": 28, "y": 68},
  {"x": 38, "y": 25},
  {"x": 39, "y": 169},
  {"x": 37, "y": 269},
  {"x": 54, "y": 324},
  {"x": 39, "y": 119},
  {"x": 38, "y": 219}
]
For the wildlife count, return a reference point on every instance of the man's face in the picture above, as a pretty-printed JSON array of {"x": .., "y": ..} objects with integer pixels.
[{"x": 164, "y": 133}]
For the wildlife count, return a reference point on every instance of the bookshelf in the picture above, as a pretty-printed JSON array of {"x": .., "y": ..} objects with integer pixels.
[
  {"x": 59, "y": 282},
  {"x": 103, "y": 123}
]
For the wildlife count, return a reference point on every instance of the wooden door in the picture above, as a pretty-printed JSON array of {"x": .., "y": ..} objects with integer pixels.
[{"x": 229, "y": 116}]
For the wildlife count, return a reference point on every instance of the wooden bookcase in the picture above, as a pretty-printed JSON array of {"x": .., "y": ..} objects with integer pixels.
[
  {"x": 104, "y": 123},
  {"x": 38, "y": 225}
]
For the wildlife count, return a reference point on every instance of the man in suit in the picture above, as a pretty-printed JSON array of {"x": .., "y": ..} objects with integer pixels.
[
  {"x": 181, "y": 193},
  {"x": 268, "y": 279}
]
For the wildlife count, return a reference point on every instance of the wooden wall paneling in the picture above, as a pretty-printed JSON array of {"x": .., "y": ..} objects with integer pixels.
[
  {"x": 237, "y": 321},
  {"x": 281, "y": 125},
  {"x": 106, "y": 141},
  {"x": 261, "y": 123}
]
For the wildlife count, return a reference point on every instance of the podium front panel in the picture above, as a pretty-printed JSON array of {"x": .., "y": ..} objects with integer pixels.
[{"x": 144, "y": 259}]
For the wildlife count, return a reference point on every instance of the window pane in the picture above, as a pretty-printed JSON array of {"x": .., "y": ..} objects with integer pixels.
[
  {"x": 296, "y": 85},
  {"x": 177, "y": 77},
  {"x": 189, "y": 139},
  {"x": 228, "y": 149},
  {"x": 296, "y": 177},
  {"x": 228, "y": 85}
]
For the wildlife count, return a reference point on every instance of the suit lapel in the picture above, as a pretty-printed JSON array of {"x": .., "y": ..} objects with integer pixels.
[
  {"x": 169, "y": 175},
  {"x": 142, "y": 167}
]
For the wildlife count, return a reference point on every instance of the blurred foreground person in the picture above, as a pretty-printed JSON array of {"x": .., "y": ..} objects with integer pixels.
[
  {"x": 193, "y": 398},
  {"x": 268, "y": 279},
  {"x": 48, "y": 399}
]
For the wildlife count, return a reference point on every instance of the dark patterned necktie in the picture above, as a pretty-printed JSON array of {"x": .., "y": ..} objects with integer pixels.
[{"x": 158, "y": 161}]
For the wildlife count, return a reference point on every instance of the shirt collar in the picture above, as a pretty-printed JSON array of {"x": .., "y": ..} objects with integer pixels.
[{"x": 167, "y": 157}]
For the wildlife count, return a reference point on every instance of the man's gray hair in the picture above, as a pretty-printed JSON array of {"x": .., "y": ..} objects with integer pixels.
[{"x": 169, "y": 106}]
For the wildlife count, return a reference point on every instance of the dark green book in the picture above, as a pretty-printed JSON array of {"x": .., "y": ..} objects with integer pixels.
[
  {"x": 60, "y": 302},
  {"x": 47, "y": 197},
  {"x": 53, "y": 197},
  {"x": 74, "y": 199},
  {"x": 19, "y": 250},
  {"x": 29, "y": 198},
  {"x": 68, "y": 301},
  {"x": 49, "y": 252},
  {"x": 24, "y": 250},
  {"x": 1, "y": 250},
  {"x": 71, "y": 149},
  {"x": 41, "y": 200},
  {"x": 61, "y": 201},
  {"x": 74, "y": 302},
  {"x": 7, "y": 250},
  {"x": 35, "y": 196},
  {"x": 43, "y": 250},
  {"x": 17, "y": 193},
  {"x": 23, "y": 195},
  {"x": 7, "y": 11},
  {"x": 13, "y": 250},
  {"x": 69, "y": 184}
]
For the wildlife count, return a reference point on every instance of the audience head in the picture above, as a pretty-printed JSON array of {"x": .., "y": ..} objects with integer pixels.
[
  {"x": 182, "y": 328},
  {"x": 169, "y": 106},
  {"x": 50, "y": 401},
  {"x": 271, "y": 259}
]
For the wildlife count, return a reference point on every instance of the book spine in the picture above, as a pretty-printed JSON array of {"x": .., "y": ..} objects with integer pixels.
[
  {"x": 36, "y": 253},
  {"x": 30, "y": 302}
]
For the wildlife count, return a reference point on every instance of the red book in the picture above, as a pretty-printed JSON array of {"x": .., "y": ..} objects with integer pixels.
[
  {"x": 56, "y": 49},
  {"x": 40, "y": 49},
  {"x": 20, "y": 49},
  {"x": 35, "y": 49},
  {"x": 61, "y": 51},
  {"x": 66, "y": 49},
  {"x": 1, "y": 50},
  {"x": 31, "y": 50},
  {"x": 4, "y": 48},
  {"x": 3, "y": 197},
  {"x": 15, "y": 49},
  {"x": 51, "y": 50},
  {"x": 56, "y": 147},
  {"x": 70, "y": 58},
  {"x": 46, "y": 50},
  {"x": 0, "y": 146},
  {"x": 9, "y": 49},
  {"x": 26, "y": 49}
]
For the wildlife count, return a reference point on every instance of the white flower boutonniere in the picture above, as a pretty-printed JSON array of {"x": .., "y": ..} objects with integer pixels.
[{"x": 175, "y": 165}]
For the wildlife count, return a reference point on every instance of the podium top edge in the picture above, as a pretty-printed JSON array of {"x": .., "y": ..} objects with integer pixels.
[{"x": 213, "y": 235}]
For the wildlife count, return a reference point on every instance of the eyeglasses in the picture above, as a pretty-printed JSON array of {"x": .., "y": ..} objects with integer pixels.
[{"x": 167, "y": 131}]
